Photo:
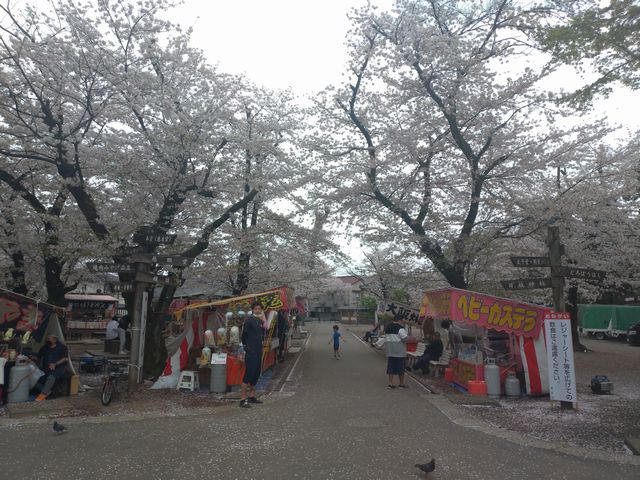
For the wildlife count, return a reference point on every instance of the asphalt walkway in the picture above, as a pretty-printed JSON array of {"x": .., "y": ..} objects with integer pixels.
[{"x": 332, "y": 419}]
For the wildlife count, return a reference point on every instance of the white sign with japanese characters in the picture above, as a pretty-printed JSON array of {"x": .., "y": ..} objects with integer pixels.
[
  {"x": 562, "y": 373},
  {"x": 219, "y": 359}
]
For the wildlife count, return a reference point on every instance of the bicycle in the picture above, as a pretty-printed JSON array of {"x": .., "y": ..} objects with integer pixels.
[{"x": 114, "y": 372}]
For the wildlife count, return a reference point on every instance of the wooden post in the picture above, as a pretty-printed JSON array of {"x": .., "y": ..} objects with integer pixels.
[
  {"x": 555, "y": 261},
  {"x": 557, "y": 280},
  {"x": 136, "y": 321}
]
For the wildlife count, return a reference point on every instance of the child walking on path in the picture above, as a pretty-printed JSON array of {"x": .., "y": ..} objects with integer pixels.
[{"x": 335, "y": 338}]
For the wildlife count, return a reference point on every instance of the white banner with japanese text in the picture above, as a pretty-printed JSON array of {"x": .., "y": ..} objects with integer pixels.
[
  {"x": 562, "y": 374},
  {"x": 400, "y": 310}
]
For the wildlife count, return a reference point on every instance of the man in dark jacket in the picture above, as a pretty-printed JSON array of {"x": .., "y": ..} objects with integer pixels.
[
  {"x": 283, "y": 328},
  {"x": 252, "y": 338},
  {"x": 433, "y": 351},
  {"x": 52, "y": 358}
]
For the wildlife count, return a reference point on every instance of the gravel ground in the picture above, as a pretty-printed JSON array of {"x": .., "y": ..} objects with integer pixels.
[
  {"x": 140, "y": 402},
  {"x": 601, "y": 421}
]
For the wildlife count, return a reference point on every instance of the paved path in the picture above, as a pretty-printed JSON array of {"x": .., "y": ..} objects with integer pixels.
[{"x": 334, "y": 419}]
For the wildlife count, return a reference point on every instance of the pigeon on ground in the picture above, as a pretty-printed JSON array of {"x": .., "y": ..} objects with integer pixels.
[
  {"x": 59, "y": 428},
  {"x": 427, "y": 467}
]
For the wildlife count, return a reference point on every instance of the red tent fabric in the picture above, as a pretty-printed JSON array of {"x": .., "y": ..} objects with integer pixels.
[{"x": 523, "y": 320}]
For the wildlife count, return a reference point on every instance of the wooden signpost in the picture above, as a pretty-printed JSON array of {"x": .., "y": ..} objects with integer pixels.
[
  {"x": 138, "y": 263},
  {"x": 526, "y": 283},
  {"x": 144, "y": 277},
  {"x": 159, "y": 238},
  {"x": 99, "y": 267},
  {"x": 584, "y": 273},
  {"x": 120, "y": 287},
  {"x": 556, "y": 281},
  {"x": 530, "y": 261},
  {"x": 160, "y": 259}
]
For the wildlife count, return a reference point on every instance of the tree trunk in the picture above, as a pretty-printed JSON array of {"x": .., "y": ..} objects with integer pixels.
[
  {"x": 55, "y": 286},
  {"x": 53, "y": 263},
  {"x": 18, "y": 281},
  {"x": 155, "y": 349},
  {"x": 242, "y": 278},
  {"x": 452, "y": 275}
]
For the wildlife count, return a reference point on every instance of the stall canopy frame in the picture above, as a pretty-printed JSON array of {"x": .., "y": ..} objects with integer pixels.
[
  {"x": 280, "y": 298},
  {"x": 523, "y": 320}
]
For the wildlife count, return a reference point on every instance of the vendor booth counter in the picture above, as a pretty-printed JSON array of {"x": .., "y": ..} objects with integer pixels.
[
  {"x": 25, "y": 323},
  {"x": 88, "y": 315},
  {"x": 482, "y": 328},
  {"x": 236, "y": 369},
  {"x": 221, "y": 317}
]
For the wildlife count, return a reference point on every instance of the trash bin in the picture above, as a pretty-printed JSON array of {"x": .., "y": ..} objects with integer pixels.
[
  {"x": 218, "y": 373},
  {"x": 412, "y": 344}
]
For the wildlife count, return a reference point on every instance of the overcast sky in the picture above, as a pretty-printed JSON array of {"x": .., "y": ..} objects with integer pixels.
[
  {"x": 276, "y": 43},
  {"x": 300, "y": 44}
]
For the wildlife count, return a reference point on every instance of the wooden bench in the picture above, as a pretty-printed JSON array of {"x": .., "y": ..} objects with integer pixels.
[
  {"x": 412, "y": 356},
  {"x": 437, "y": 367}
]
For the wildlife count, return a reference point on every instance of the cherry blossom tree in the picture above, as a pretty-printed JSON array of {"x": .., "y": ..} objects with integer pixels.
[
  {"x": 111, "y": 103},
  {"x": 601, "y": 38},
  {"x": 444, "y": 130}
]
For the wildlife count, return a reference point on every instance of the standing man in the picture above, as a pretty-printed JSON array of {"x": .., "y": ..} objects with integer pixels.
[
  {"x": 52, "y": 358},
  {"x": 283, "y": 328},
  {"x": 395, "y": 342},
  {"x": 252, "y": 338}
]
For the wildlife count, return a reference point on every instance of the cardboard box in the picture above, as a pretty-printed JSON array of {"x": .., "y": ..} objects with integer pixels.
[{"x": 74, "y": 384}]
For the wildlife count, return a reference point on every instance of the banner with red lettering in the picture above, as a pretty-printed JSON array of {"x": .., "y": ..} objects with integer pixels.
[
  {"x": 487, "y": 311},
  {"x": 200, "y": 317}
]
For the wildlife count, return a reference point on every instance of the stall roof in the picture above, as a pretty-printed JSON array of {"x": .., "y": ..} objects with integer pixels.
[
  {"x": 10, "y": 294},
  {"x": 487, "y": 311},
  {"x": 90, "y": 297},
  {"x": 283, "y": 293}
]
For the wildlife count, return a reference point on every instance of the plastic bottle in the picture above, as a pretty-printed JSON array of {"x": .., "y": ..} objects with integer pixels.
[
  {"x": 209, "y": 338},
  {"x": 221, "y": 335},
  {"x": 205, "y": 358},
  {"x": 234, "y": 335}
]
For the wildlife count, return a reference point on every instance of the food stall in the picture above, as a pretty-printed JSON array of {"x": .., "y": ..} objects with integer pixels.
[
  {"x": 483, "y": 328},
  {"x": 88, "y": 314},
  {"x": 24, "y": 326},
  {"x": 215, "y": 327}
]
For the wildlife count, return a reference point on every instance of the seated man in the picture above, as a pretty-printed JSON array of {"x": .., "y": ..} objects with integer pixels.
[
  {"x": 433, "y": 351},
  {"x": 52, "y": 358},
  {"x": 124, "y": 322},
  {"x": 368, "y": 337},
  {"x": 115, "y": 331}
]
